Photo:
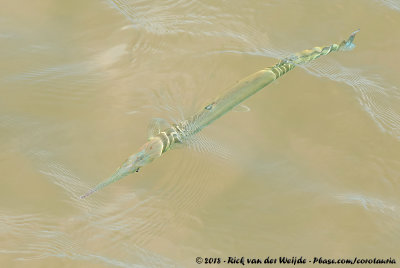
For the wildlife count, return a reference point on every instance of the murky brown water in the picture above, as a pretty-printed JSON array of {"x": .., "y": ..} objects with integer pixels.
[{"x": 313, "y": 169}]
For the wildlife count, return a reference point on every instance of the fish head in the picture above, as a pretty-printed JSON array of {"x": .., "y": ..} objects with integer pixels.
[{"x": 147, "y": 153}]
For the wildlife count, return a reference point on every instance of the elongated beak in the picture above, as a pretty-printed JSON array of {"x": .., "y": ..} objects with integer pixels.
[
  {"x": 127, "y": 167},
  {"x": 148, "y": 152}
]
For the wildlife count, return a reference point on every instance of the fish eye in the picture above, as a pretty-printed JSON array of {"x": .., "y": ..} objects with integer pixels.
[{"x": 208, "y": 107}]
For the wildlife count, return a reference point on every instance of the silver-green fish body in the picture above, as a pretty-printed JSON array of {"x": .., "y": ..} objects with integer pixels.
[{"x": 164, "y": 140}]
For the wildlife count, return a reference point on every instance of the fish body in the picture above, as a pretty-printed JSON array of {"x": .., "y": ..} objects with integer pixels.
[{"x": 163, "y": 140}]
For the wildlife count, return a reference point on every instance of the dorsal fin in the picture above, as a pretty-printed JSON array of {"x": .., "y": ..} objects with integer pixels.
[
  {"x": 155, "y": 127},
  {"x": 241, "y": 108}
]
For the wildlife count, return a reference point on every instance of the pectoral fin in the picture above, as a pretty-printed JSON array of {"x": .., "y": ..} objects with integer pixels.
[{"x": 155, "y": 126}]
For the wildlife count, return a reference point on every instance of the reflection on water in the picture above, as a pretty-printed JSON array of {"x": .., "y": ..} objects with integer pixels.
[
  {"x": 311, "y": 169},
  {"x": 391, "y": 4}
]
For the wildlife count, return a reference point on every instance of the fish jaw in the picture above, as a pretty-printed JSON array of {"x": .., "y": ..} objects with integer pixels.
[{"x": 148, "y": 153}]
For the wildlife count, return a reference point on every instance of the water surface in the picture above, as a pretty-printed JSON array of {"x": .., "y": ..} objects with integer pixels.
[{"x": 312, "y": 169}]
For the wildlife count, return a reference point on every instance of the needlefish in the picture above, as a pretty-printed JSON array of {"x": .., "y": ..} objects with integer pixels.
[{"x": 162, "y": 140}]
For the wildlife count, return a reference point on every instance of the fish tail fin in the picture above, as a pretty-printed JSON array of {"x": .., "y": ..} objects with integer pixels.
[
  {"x": 311, "y": 54},
  {"x": 348, "y": 44}
]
